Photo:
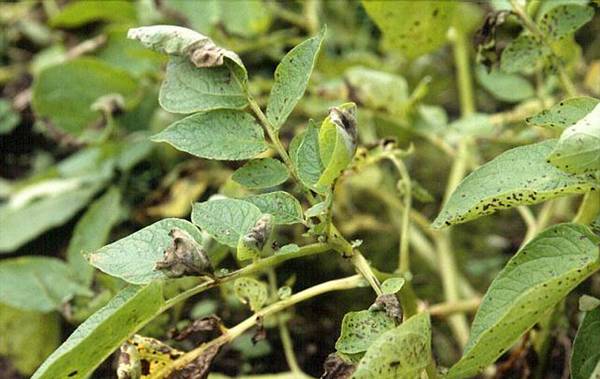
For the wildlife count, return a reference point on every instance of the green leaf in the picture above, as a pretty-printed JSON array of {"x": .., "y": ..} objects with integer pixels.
[
  {"x": 392, "y": 285},
  {"x": 189, "y": 89},
  {"x": 403, "y": 352},
  {"x": 377, "y": 89},
  {"x": 412, "y": 27},
  {"x": 511, "y": 88},
  {"x": 291, "y": 79},
  {"x": 588, "y": 303},
  {"x": 585, "y": 359},
  {"x": 578, "y": 148},
  {"x": 220, "y": 134},
  {"x": 261, "y": 173},
  {"x": 336, "y": 151},
  {"x": 226, "y": 220},
  {"x": 38, "y": 283},
  {"x": 78, "y": 13},
  {"x": 64, "y": 93},
  {"x": 565, "y": 19},
  {"x": 27, "y": 337},
  {"x": 92, "y": 231},
  {"x": 564, "y": 114},
  {"x": 522, "y": 54},
  {"x": 252, "y": 292},
  {"x": 307, "y": 158},
  {"x": 284, "y": 207},
  {"x": 360, "y": 329},
  {"x": 101, "y": 334},
  {"x": 516, "y": 177},
  {"x": 9, "y": 119},
  {"x": 134, "y": 257},
  {"x": 541, "y": 274}
]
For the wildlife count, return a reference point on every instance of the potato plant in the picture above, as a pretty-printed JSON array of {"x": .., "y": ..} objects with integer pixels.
[{"x": 323, "y": 181}]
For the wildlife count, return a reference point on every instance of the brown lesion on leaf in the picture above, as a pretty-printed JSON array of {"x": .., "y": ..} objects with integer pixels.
[
  {"x": 336, "y": 367},
  {"x": 390, "y": 305},
  {"x": 184, "y": 257}
]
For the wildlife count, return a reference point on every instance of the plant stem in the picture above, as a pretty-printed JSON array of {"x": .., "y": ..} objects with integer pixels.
[
  {"x": 463, "y": 72},
  {"x": 404, "y": 253},
  {"x": 363, "y": 268}
]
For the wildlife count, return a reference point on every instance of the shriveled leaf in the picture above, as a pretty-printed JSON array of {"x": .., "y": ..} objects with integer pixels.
[
  {"x": 307, "y": 157},
  {"x": 578, "y": 148},
  {"x": 220, "y": 134},
  {"x": 261, "y": 173},
  {"x": 284, "y": 207},
  {"x": 505, "y": 87},
  {"x": 101, "y": 334},
  {"x": 38, "y": 283},
  {"x": 28, "y": 337},
  {"x": 565, "y": 19},
  {"x": 252, "y": 292},
  {"x": 522, "y": 54},
  {"x": 403, "y": 352},
  {"x": 134, "y": 257},
  {"x": 291, "y": 79},
  {"x": 360, "y": 329},
  {"x": 153, "y": 354},
  {"x": 516, "y": 177},
  {"x": 412, "y": 27},
  {"x": 585, "y": 359},
  {"x": 564, "y": 114},
  {"x": 79, "y": 13},
  {"x": 541, "y": 274},
  {"x": 92, "y": 231},
  {"x": 226, "y": 220}
]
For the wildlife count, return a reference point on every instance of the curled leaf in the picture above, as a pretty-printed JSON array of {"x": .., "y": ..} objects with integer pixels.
[
  {"x": 252, "y": 243},
  {"x": 184, "y": 257},
  {"x": 251, "y": 291},
  {"x": 335, "y": 367},
  {"x": 130, "y": 365},
  {"x": 207, "y": 328},
  {"x": 390, "y": 304}
]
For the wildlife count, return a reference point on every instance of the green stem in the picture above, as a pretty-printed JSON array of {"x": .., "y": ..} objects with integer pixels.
[
  {"x": 463, "y": 72},
  {"x": 404, "y": 253},
  {"x": 363, "y": 268}
]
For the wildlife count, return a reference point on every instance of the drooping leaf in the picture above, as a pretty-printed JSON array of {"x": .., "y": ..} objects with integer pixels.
[
  {"x": 516, "y": 177},
  {"x": 252, "y": 292},
  {"x": 134, "y": 257},
  {"x": 403, "y": 352},
  {"x": 522, "y": 54},
  {"x": 79, "y": 13},
  {"x": 220, "y": 134},
  {"x": 261, "y": 173},
  {"x": 38, "y": 283},
  {"x": 284, "y": 207},
  {"x": 565, "y": 19},
  {"x": 505, "y": 87},
  {"x": 412, "y": 27},
  {"x": 92, "y": 231},
  {"x": 564, "y": 114},
  {"x": 360, "y": 329},
  {"x": 542, "y": 273},
  {"x": 226, "y": 220},
  {"x": 578, "y": 148},
  {"x": 291, "y": 79},
  {"x": 585, "y": 359},
  {"x": 307, "y": 157},
  {"x": 101, "y": 334}
]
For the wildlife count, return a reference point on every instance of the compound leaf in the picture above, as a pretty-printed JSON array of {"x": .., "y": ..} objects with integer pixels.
[{"x": 261, "y": 173}]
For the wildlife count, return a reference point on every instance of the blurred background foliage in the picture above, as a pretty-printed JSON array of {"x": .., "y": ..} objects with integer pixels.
[{"x": 77, "y": 169}]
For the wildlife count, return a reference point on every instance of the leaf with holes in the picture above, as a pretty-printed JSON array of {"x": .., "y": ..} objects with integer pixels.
[
  {"x": 252, "y": 292},
  {"x": 564, "y": 114},
  {"x": 261, "y": 173},
  {"x": 498, "y": 184},
  {"x": 565, "y": 19},
  {"x": 284, "y": 207},
  {"x": 360, "y": 329},
  {"x": 541, "y": 274},
  {"x": 585, "y": 359}
]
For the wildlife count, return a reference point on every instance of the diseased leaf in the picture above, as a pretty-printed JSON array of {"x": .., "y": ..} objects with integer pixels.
[
  {"x": 516, "y": 177},
  {"x": 564, "y": 114},
  {"x": 220, "y": 134},
  {"x": 403, "y": 352},
  {"x": 505, "y": 87},
  {"x": 252, "y": 292},
  {"x": 578, "y": 148},
  {"x": 585, "y": 359},
  {"x": 284, "y": 207},
  {"x": 565, "y": 19},
  {"x": 291, "y": 79},
  {"x": 542, "y": 273},
  {"x": 377, "y": 89},
  {"x": 522, "y": 54},
  {"x": 101, "y": 334},
  {"x": 261, "y": 173},
  {"x": 412, "y": 27},
  {"x": 134, "y": 257},
  {"x": 79, "y": 13},
  {"x": 360, "y": 329},
  {"x": 38, "y": 283},
  {"x": 226, "y": 220},
  {"x": 307, "y": 157}
]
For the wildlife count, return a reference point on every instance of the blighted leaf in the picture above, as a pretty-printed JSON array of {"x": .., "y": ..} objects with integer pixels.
[
  {"x": 516, "y": 177},
  {"x": 564, "y": 114},
  {"x": 307, "y": 157},
  {"x": 360, "y": 329},
  {"x": 79, "y": 13},
  {"x": 522, "y": 54},
  {"x": 412, "y": 27},
  {"x": 261, "y": 173},
  {"x": 101, "y": 334},
  {"x": 184, "y": 257},
  {"x": 578, "y": 148},
  {"x": 565, "y": 19},
  {"x": 28, "y": 337},
  {"x": 252, "y": 243},
  {"x": 153, "y": 354},
  {"x": 252, "y": 292},
  {"x": 38, "y": 283},
  {"x": 377, "y": 89},
  {"x": 226, "y": 220},
  {"x": 585, "y": 359},
  {"x": 291, "y": 79},
  {"x": 220, "y": 134},
  {"x": 9, "y": 119},
  {"x": 134, "y": 257},
  {"x": 402, "y": 352},
  {"x": 129, "y": 364},
  {"x": 336, "y": 366},
  {"x": 284, "y": 207},
  {"x": 505, "y": 87},
  {"x": 392, "y": 285},
  {"x": 541, "y": 274},
  {"x": 388, "y": 303},
  {"x": 189, "y": 89}
]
